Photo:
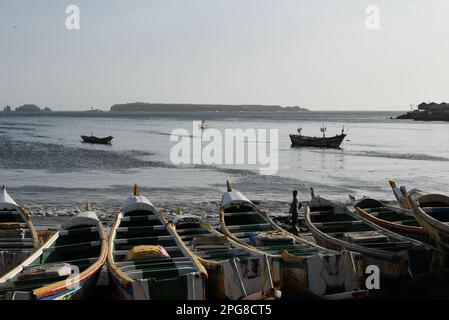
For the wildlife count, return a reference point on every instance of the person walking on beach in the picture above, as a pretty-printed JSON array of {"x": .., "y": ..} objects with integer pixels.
[{"x": 294, "y": 211}]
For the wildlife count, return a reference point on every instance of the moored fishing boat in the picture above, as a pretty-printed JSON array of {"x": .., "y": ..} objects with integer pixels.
[
  {"x": 18, "y": 237},
  {"x": 413, "y": 194},
  {"x": 298, "y": 140},
  {"x": 146, "y": 260},
  {"x": 395, "y": 219},
  {"x": 234, "y": 272},
  {"x": 432, "y": 212},
  {"x": 66, "y": 267},
  {"x": 97, "y": 140},
  {"x": 306, "y": 267},
  {"x": 335, "y": 226}
]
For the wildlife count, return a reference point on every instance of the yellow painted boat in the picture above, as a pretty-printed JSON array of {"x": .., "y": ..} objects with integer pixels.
[
  {"x": 432, "y": 213},
  {"x": 18, "y": 237},
  {"x": 66, "y": 267},
  {"x": 234, "y": 272},
  {"x": 306, "y": 267},
  {"x": 177, "y": 276}
]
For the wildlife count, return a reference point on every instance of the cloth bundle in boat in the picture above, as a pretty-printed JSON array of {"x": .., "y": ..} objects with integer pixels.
[
  {"x": 365, "y": 236},
  {"x": 12, "y": 230},
  {"x": 270, "y": 237},
  {"x": 147, "y": 252},
  {"x": 46, "y": 270}
]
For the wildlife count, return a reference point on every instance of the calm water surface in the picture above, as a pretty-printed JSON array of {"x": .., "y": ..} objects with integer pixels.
[{"x": 43, "y": 160}]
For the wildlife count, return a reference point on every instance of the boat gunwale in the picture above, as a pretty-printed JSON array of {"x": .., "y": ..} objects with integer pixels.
[
  {"x": 393, "y": 226},
  {"x": 61, "y": 286}
]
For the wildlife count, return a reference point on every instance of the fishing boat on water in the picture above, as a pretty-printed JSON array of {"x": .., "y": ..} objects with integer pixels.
[
  {"x": 336, "y": 227},
  {"x": 204, "y": 125},
  {"x": 146, "y": 259},
  {"x": 18, "y": 236},
  {"x": 298, "y": 140},
  {"x": 398, "y": 220},
  {"x": 66, "y": 267},
  {"x": 97, "y": 140},
  {"x": 432, "y": 212},
  {"x": 234, "y": 272},
  {"x": 306, "y": 267}
]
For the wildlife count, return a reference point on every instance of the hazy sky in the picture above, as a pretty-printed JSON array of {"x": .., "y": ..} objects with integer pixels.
[{"x": 313, "y": 53}]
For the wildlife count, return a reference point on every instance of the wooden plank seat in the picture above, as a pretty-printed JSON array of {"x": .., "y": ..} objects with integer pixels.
[
  {"x": 162, "y": 273},
  {"x": 139, "y": 218},
  {"x": 148, "y": 266},
  {"x": 248, "y": 227},
  {"x": 74, "y": 247},
  {"x": 138, "y": 262},
  {"x": 244, "y": 213},
  {"x": 79, "y": 231}
]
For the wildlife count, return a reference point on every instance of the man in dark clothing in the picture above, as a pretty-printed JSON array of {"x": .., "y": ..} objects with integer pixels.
[{"x": 294, "y": 211}]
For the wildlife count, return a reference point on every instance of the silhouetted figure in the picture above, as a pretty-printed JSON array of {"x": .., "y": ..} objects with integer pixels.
[{"x": 294, "y": 211}]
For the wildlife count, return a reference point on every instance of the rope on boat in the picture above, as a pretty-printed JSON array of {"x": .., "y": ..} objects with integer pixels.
[{"x": 240, "y": 277}]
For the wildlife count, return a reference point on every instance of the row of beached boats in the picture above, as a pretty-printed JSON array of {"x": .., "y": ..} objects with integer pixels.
[{"x": 252, "y": 257}]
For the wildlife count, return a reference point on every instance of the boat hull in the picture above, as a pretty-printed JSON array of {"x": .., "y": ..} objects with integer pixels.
[
  {"x": 437, "y": 230},
  {"x": 317, "y": 142},
  {"x": 307, "y": 269},
  {"x": 90, "y": 139},
  {"x": 140, "y": 223}
]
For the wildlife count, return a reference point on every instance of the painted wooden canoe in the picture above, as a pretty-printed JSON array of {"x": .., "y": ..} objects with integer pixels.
[
  {"x": 181, "y": 276},
  {"x": 395, "y": 219},
  {"x": 234, "y": 272},
  {"x": 404, "y": 202},
  {"x": 66, "y": 267},
  {"x": 18, "y": 237},
  {"x": 432, "y": 212},
  {"x": 337, "y": 227},
  {"x": 306, "y": 267}
]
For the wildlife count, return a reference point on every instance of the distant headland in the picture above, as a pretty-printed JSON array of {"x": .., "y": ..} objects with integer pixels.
[
  {"x": 431, "y": 111},
  {"x": 27, "y": 108},
  {"x": 148, "y": 107}
]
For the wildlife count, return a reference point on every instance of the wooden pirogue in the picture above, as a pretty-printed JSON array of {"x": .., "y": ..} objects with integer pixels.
[
  {"x": 306, "y": 267},
  {"x": 174, "y": 273},
  {"x": 336, "y": 227},
  {"x": 18, "y": 237},
  {"x": 234, "y": 272},
  {"x": 66, "y": 267},
  {"x": 432, "y": 212},
  {"x": 398, "y": 220}
]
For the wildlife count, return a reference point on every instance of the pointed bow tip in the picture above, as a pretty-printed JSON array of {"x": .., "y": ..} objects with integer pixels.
[
  {"x": 228, "y": 186},
  {"x": 136, "y": 191}
]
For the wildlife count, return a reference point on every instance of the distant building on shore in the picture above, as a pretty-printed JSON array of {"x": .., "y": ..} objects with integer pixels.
[
  {"x": 148, "y": 107},
  {"x": 7, "y": 109},
  {"x": 431, "y": 111},
  {"x": 31, "y": 108}
]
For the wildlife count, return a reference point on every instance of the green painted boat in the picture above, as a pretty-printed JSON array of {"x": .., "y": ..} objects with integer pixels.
[
  {"x": 398, "y": 220},
  {"x": 18, "y": 237},
  {"x": 234, "y": 272},
  {"x": 179, "y": 276},
  {"x": 432, "y": 212},
  {"x": 338, "y": 227},
  {"x": 306, "y": 267},
  {"x": 66, "y": 267}
]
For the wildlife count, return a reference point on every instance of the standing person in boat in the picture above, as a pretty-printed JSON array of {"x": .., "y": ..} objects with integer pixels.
[{"x": 294, "y": 211}]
